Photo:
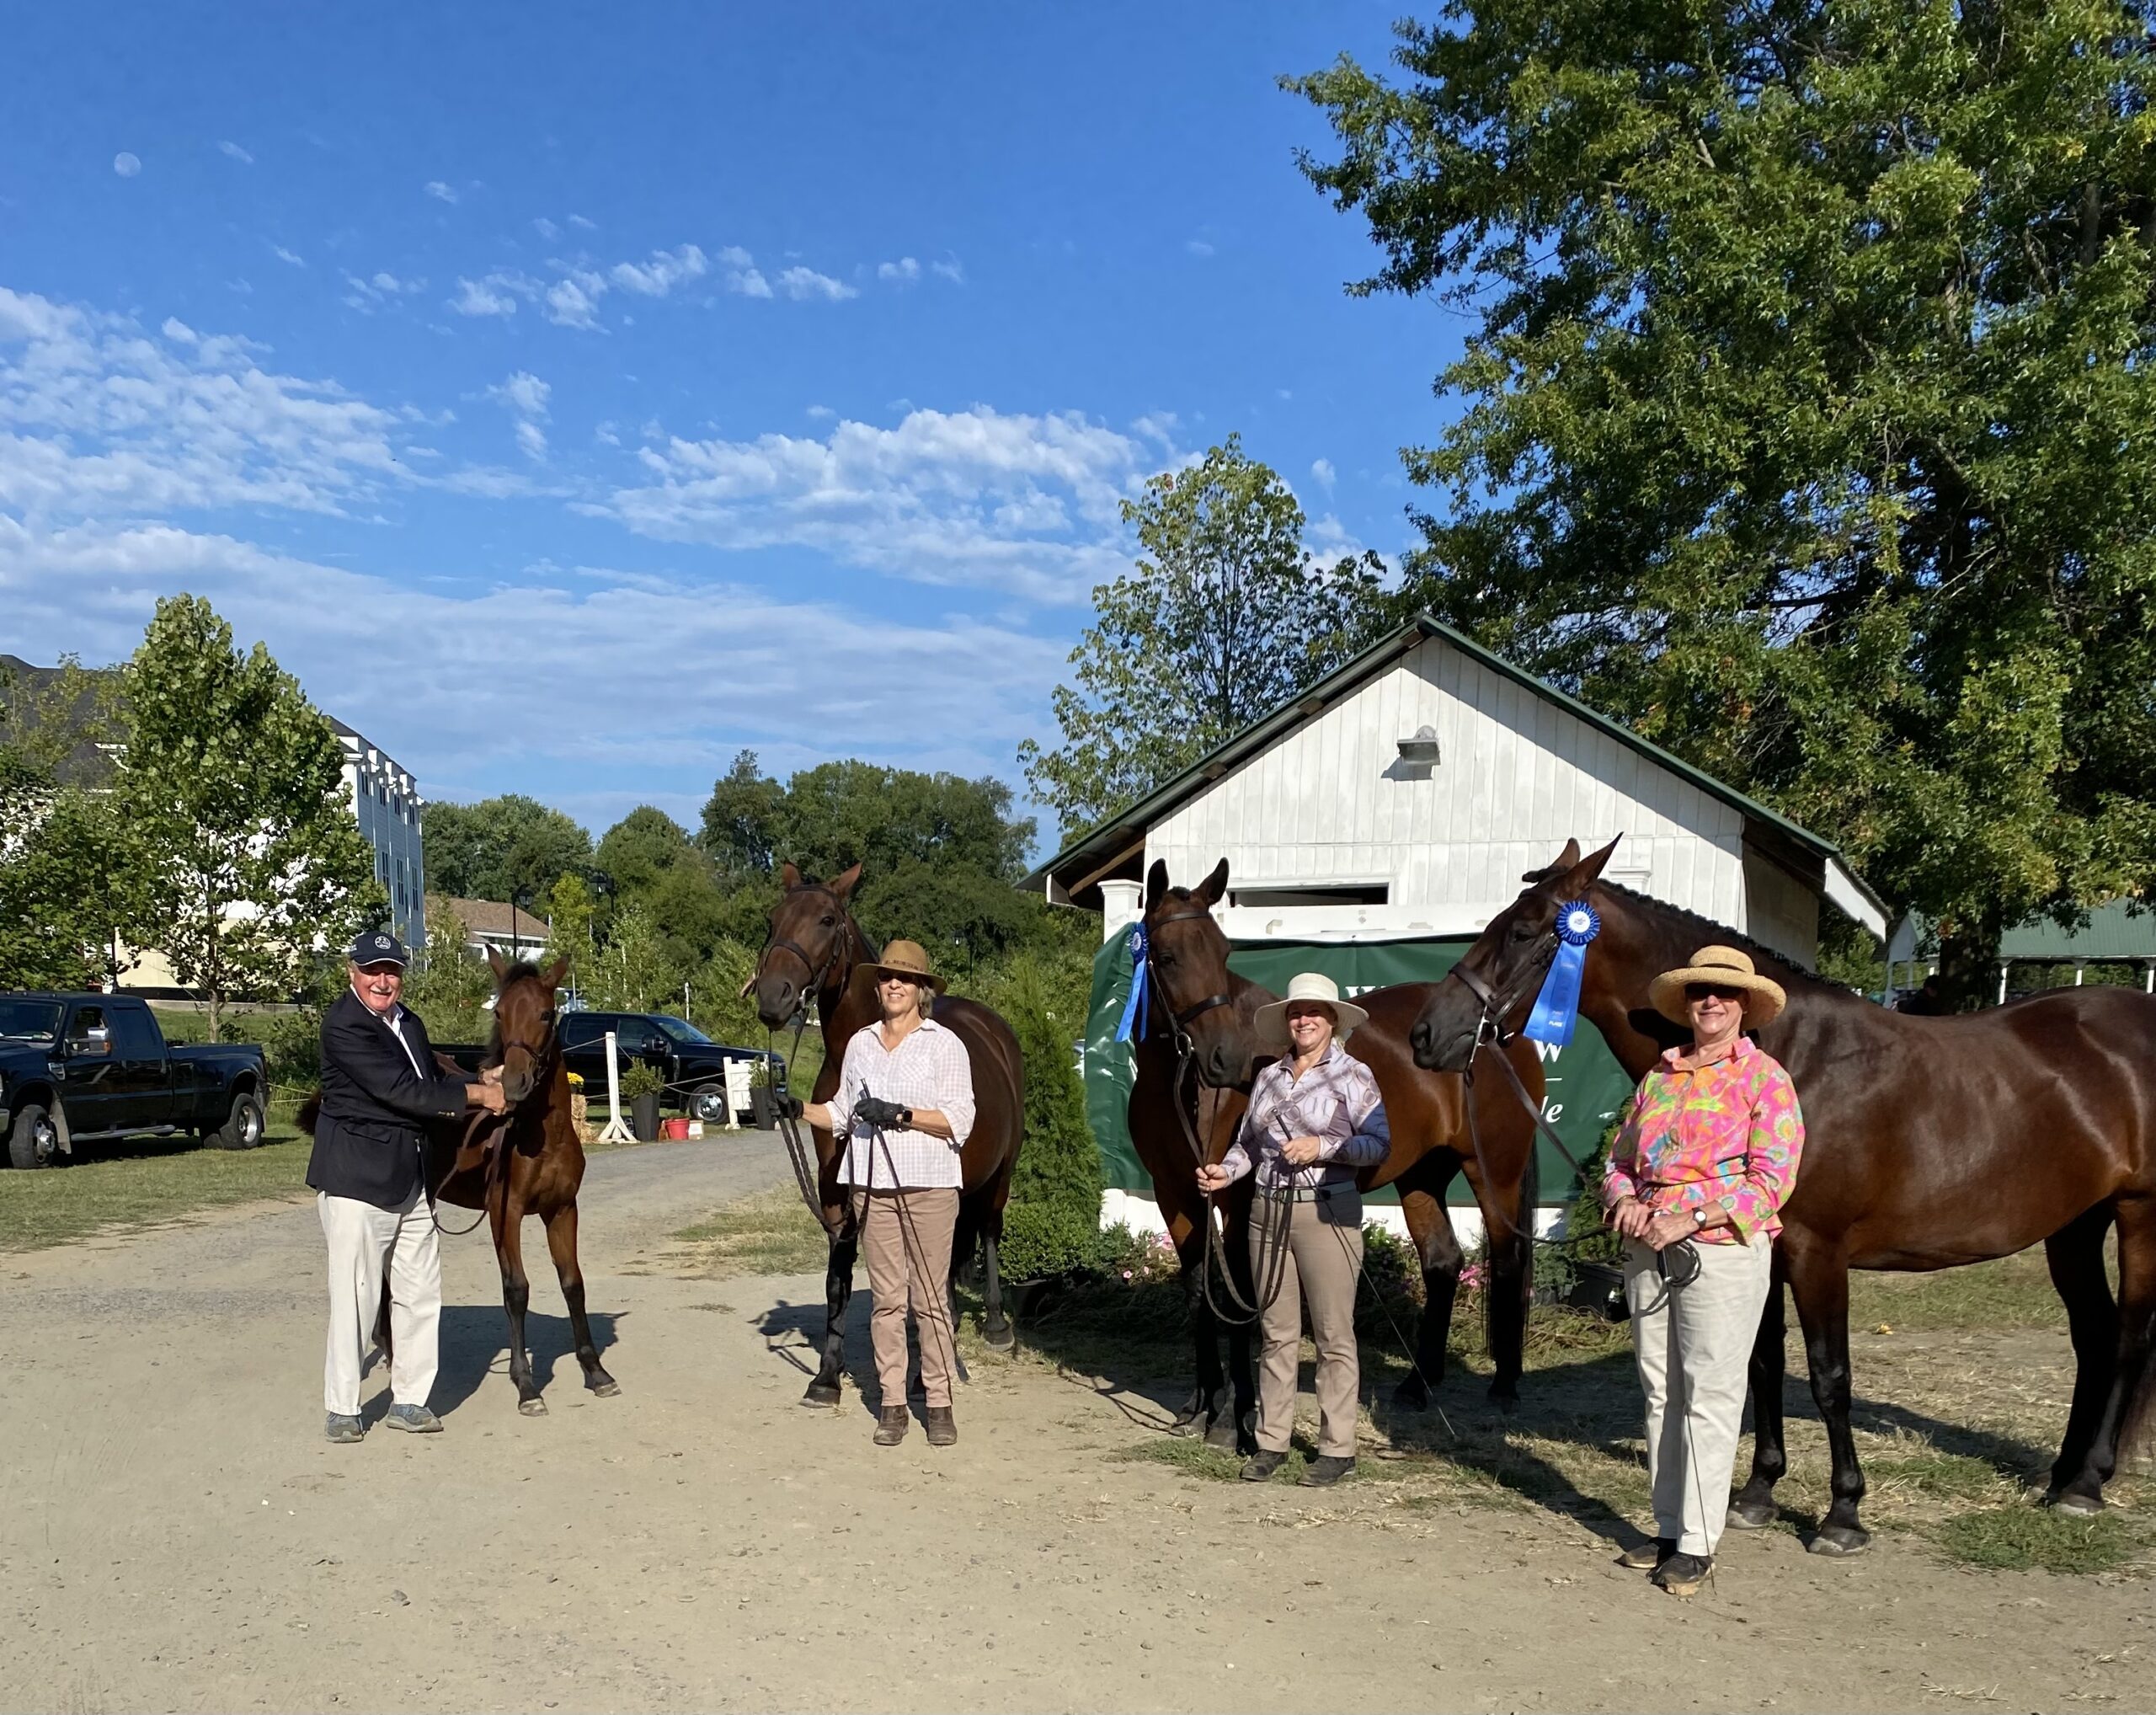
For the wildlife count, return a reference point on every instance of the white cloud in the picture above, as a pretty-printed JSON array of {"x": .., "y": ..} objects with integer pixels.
[
  {"x": 1023, "y": 503},
  {"x": 950, "y": 271},
  {"x": 99, "y": 418},
  {"x": 576, "y": 220},
  {"x": 742, "y": 274},
  {"x": 1323, "y": 471},
  {"x": 1197, "y": 247},
  {"x": 905, "y": 271},
  {"x": 483, "y": 297},
  {"x": 462, "y": 722},
  {"x": 236, "y": 152},
  {"x": 284, "y": 255},
  {"x": 126, "y": 165},
  {"x": 440, "y": 191},
  {"x": 666, "y": 270},
  {"x": 526, "y": 396},
  {"x": 380, "y": 289},
  {"x": 573, "y": 302},
  {"x": 545, "y": 229},
  {"x": 802, "y": 283}
]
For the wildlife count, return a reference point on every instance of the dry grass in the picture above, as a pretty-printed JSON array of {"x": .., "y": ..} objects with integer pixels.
[{"x": 771, "y": 1233}]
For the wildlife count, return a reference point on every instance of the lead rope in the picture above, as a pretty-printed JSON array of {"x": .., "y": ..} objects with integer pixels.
[{"x": 1215, "y": 1259}]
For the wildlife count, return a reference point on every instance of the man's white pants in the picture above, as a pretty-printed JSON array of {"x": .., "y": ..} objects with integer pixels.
[
  {"x": 1695, "y": 1344},
  {"x": 366, "y": 1242}
]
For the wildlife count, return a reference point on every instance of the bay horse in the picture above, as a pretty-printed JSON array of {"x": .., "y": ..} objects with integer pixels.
[
  {"x": 1930, "y": 1142},
  {"x": 813, "y": 950},
  {"x": 528, "y": 1161},
  {"x": 1431, "y": 1138}
]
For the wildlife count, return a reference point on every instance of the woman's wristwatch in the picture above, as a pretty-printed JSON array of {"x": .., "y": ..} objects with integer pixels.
[{"x": 1700, "y": 1218}]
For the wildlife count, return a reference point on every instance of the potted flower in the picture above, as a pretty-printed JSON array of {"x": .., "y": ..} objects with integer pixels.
[
  {"x": 642, "y": 1084},
  {"x": 579, "y": 1108}
]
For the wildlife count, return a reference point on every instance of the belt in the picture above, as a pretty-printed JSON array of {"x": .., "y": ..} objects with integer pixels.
[{"x": 1309, "y": 1194}]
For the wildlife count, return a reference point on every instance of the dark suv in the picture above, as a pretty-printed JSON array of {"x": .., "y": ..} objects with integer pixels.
[{"x": 693, "y": 1065}]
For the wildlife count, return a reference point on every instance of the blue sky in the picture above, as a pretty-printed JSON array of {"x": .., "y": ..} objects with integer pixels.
[{"x": 571, "y": 405}]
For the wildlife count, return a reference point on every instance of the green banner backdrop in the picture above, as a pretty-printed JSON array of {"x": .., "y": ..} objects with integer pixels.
[{"x": 1587, "y": 1086}]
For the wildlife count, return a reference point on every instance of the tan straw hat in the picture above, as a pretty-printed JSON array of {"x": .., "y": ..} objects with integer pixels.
[
  {"x": 904, "y": 958},
  {"x": 1725, "y": 967},
  {"x": 1272, "y": 1020}
]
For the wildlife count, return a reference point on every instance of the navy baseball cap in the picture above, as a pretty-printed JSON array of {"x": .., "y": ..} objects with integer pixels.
[{"x": 378, "y": 947}]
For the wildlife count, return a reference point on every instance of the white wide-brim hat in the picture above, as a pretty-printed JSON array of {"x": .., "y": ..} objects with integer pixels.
[{"x": 1272, "y": 1020}]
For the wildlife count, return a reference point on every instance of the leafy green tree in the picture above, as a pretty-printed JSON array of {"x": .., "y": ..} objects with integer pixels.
[
  {"x": 1804, "y": 420},
  {"x": 70, "y": 894},
  {"x": 742, "y": 822},
  {"x": 718, "y": 1008},
  {"x": 1226, "y": 614},
  {"x": 508, "y": 847},
  {"x": 570, "y": 909},
  {"x": 635, "y": 971},
  {"x": 841, "y": 813},
  {"x": 651, "y": 860},
  {"x": 234, "y": 788},
  {"x": 451, "y": 986}
]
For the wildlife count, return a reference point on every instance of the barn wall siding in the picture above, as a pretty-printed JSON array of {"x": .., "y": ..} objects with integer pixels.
[{"x": 1331, "y": 804}]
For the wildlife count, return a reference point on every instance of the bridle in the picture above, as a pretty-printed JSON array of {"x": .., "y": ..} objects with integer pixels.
[
  {"x": 542, "y": 1055},
  {"x": 1180, "y": 1022}
]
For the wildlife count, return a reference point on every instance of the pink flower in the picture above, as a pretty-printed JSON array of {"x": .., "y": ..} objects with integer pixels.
[
  {"x": 1472, "y": 1276},
  {"x": 1126, "y": 1274}
]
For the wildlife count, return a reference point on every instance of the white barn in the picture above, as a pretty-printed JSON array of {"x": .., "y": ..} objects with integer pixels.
[{"x": 1405, "y": 794}]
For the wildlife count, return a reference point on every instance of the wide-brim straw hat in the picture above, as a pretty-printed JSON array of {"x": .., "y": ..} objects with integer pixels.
[
  {"x": 1272, "y": 1019},
  {"x": 1725, "y": 967},
  {"x": 904, "y": 958}
]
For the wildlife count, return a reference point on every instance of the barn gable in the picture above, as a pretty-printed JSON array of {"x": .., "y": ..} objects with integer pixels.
[{"x": 1332, "y": 828}]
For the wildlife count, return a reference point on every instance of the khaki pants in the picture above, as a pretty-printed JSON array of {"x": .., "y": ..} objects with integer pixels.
[
  {"x": 1694, "y": 1344},
  {"x": 1323, "y": 1263},
  {"x": 366, "y": 1242},
  {"x": 905, "y": 1239}
]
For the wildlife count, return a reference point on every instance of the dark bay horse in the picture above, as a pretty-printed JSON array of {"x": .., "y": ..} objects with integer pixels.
[
  {"x": 1431, "y": 1140},
  {"x": 528, "y": 1162},
  {"x": 1929, "y": 1142},
  {"x": 814, "y": 947}
]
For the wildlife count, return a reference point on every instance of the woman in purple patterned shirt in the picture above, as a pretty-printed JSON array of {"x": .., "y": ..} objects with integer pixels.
[
  {"x": 1702, "y": 1164},
  {"x": 1314, "y": 1117}
]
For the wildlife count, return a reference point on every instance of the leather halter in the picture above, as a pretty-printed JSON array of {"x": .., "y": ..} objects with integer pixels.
[
  {"x": 775, "y": 942},
  {"x": 1197, "y": 1009}
]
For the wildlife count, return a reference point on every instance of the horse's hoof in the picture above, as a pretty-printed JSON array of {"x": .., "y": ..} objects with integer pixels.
[
  {"x": 1840, "y": 1541},
  {"x": 1412, "y": 1395},
  {"x": 1002, "y": 1339},
  {"x": 2073, "y": 1504},
  {"x": 607, "y": 1388},
  {"x": 534, "y": 1407},
  {"x": 1190, "y": 1423},
  {"x": 1750, "y": 1514},
  {"x": 1505, "y": 1399},
  {"x": 821, "y": 1393},
  {"x": 1221, "y": 1432}
]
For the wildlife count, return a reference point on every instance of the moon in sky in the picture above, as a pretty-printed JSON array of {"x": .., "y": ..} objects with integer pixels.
[{"x": 126, "y": 165}]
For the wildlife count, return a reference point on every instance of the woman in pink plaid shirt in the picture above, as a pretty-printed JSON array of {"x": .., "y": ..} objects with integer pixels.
[{"x": 1705, "y": 1159}]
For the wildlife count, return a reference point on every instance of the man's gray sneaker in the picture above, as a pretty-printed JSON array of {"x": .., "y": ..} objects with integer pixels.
[
  {"x": 339, "y": 1427},
  {"x": 415, "y": 1418}
]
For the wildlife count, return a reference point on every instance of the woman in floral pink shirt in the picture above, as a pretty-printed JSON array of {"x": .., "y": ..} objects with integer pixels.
[{"x": 1705, "y": 1159}]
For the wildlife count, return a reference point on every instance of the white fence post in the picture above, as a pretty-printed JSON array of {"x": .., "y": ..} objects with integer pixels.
[{"x": 616, "y": 1132}]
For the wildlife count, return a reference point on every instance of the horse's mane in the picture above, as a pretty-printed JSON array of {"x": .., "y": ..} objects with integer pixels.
[{"x": 1711, "y": 931}]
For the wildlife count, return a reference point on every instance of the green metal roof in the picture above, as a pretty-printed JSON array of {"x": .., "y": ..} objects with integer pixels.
[
  {"x": 1100, "y": 841},
  {"x": 2116, "y": 931}
]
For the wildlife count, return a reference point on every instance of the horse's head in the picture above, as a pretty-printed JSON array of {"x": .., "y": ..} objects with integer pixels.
[
  {"x": 808, "y": 945},
  {"x": 1189, "y": 956},
  {"x": 524, "y": 1041},
  {"x": 1501, "y": 973}
]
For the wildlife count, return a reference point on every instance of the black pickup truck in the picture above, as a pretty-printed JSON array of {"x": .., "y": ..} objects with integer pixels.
[
  {"x": 693, "y": 1065},
  {"x": 75, "y": 1067}
]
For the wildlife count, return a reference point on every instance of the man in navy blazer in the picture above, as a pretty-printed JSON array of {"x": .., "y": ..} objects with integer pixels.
[{"x": 380, "y": 1091}]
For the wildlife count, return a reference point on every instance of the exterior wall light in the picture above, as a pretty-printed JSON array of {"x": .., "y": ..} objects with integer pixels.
[{"x": 1422, "y": 749}]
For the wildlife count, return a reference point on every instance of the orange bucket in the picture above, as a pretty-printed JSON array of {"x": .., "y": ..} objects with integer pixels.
[{"x": 675, "y": 1129}]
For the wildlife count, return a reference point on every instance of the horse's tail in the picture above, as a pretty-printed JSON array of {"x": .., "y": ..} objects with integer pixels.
[
  {"x": 310, "y": 1111},
  {"x": 1523, "y": 1235}
]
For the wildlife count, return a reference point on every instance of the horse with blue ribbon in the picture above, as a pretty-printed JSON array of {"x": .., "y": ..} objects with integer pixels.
[{"x": 1192, "y": 1020}]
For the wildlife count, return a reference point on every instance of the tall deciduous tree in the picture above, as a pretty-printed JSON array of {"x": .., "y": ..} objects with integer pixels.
[
  {"x": 233, "y": 785},
  {"x": 1226, "y": 614},
  {"x": 508, "y": 847},
  {"x": 742, "y": 825},
  {"x": 1806, "y": 412}
]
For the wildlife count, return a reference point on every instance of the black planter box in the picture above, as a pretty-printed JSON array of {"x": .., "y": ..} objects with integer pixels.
[
  {"x": 1599, "y": 1288},
  {"x": 643, "y": 1118},
  {"x": 760, "y": 1111}
]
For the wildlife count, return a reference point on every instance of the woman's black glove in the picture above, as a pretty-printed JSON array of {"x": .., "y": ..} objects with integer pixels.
[
  {"x": 884, "y": 1116},
  {"x": 788, "y": 1105}
]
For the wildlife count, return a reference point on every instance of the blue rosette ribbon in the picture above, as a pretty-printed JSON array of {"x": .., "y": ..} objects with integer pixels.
[
  {"x": 1557, "y": 1007},
  {"x": 1139, "y": 1008}
]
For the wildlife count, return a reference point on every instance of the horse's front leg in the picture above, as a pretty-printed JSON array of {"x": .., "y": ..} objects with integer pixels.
[
  {"x": 1199, "y": 1410},
  {"x": 1819, "y": 1280},
  {"x": 838, "y": 1293},
  {"x": 1437, "y": 1249},
  {"x": 995, "y": 1327},
  {"x": 508, "y": 1217},
  {"x": 561, "y": 1241}
]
